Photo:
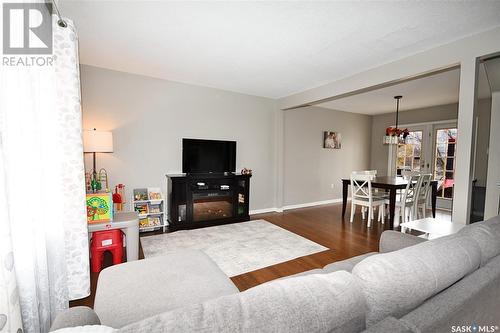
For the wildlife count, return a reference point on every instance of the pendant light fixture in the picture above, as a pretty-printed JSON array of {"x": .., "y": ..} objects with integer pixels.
[{"x": 395, "y": 135}]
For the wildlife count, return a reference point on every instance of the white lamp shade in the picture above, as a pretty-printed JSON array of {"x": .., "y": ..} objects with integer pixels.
[{"x": 97, "y": 141}]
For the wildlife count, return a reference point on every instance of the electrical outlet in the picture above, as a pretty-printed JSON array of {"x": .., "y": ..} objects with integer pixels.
[{"x": 332, "y": 186}]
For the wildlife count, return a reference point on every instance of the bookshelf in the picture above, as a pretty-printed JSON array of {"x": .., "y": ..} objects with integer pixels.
[{"x": 150, "y": 207}]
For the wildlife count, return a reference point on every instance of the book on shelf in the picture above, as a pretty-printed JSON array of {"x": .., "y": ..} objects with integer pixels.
[
  {"x": 154, "y": 193},
  {"x": 143, "y": 222},
  {"x": 154, "y": 208},
  {"x": 141, "y": 208},
  {"x": 140, "y": 194},
  {"x": 154, "y": 196},
  {"x": 154, "y": 221}
]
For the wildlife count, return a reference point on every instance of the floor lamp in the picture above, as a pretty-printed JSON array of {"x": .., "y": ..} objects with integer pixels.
[{"x": 95, "y": 141}]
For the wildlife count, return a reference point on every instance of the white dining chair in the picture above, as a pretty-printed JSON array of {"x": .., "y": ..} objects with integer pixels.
[
  {"x": 405, "y": 201},
  {"x": 376, "y": 192},
  {"x": 362, "y": 195},
  {"x": 422, "y": 195}
]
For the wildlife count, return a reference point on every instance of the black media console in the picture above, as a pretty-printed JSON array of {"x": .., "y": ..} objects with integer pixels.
[{"x": 197, "y": 201}]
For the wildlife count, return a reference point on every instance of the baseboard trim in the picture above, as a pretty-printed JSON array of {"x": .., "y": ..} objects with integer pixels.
[
  {"x": 288, "y": 207},
  {"x": 264, "y": 210},
  {"x": 312, "y": 204}
]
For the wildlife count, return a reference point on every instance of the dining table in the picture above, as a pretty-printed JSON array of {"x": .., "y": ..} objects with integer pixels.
[{"x": 392, "y": 185}]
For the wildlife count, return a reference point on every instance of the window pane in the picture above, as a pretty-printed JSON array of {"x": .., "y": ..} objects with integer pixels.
[
  {"x": 442, "y": 136},
  {"x": 453, "y": 132},
  {"x": 449, "y": 163},
  {"x": 451, "y": 149},
  {"x": 441, "y": 149},
  {"x": 409, "y": 150},
  {"x": 444, "y": 161}
]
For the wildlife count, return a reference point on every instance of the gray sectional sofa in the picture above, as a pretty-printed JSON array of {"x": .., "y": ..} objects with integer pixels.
[{"x": 450, "y": 284}]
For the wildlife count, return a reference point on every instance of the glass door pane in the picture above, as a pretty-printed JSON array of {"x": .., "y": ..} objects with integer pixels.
[
  {"x": 444, "y": 161},
  {"x": 410, "y": 152}
]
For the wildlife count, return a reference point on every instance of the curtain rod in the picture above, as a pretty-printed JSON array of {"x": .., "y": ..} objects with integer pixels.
[{"x": 60, "y": 21}]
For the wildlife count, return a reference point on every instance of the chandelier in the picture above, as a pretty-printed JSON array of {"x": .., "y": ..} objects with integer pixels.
[{"x": 395, "y": 135}]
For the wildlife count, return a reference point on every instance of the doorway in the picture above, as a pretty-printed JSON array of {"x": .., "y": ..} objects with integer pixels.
[{"x": 430, "y": 149}]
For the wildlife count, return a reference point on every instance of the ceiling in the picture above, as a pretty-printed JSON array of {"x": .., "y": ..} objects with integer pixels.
[
  {"x": 437, "y": 89},
  {"x": 266, "y": 48}
]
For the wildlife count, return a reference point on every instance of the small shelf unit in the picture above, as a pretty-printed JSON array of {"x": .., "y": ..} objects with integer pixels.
[{"x": 150, "y": 207}]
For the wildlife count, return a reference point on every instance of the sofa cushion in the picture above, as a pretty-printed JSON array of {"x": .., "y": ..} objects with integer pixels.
[
  {"x": 348, "y": 264},
  {"x": 75, "y": 316},
  {"x": 139, "y": 289},
  {"x": 475, "y": 299},
  {"x": 487, "y": 236},
  {"x": 313, "y": 303},
  {"x": 391, "y": 240},
  {"x": 344, "y": 265},
  {"x": 394, "y": 283}
]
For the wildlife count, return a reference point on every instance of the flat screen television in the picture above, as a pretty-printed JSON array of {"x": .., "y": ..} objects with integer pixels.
[{"x": 208, "y": 156}]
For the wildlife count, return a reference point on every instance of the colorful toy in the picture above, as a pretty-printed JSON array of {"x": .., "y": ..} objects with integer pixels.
[
  {"x": 95, "y": 185},
  {"x": 103, "y": 178},
  {"x": 99, "y": 207},
  {"x": 118, "y": 197},
  {"x": 94, "y": 181}
]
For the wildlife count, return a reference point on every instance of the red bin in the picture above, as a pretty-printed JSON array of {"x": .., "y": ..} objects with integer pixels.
[{"x": 102, "y": 241}]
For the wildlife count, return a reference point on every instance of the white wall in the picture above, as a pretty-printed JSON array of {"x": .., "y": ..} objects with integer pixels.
[
  {"x": 309, "y": 169},
  {"x": 149, "y": 117}
]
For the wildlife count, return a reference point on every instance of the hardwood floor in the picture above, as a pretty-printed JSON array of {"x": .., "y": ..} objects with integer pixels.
[
  {"x": 321, "y": 224},
  {"x": 324, "y": 226}
]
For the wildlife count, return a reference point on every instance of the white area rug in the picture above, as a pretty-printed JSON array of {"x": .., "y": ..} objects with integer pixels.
[{"x": 236, "y": 248}]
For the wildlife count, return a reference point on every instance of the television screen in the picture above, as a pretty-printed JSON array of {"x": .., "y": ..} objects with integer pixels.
[{"x": 208, "y": 156}]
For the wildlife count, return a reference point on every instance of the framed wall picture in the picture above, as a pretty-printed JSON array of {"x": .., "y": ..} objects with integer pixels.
[{"x": 332, "y": 140}]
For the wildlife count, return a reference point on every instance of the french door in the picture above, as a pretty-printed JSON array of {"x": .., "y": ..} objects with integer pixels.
[
  {"x": 445, "y": 138},
  {"x": 412, "y": 155},
  {"x": 431, "y": 149}
]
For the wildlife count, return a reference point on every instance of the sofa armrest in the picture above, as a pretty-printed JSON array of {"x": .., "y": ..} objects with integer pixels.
[
  {"x": 394, "y": 240},
  {"x": 76, "y": 316}
]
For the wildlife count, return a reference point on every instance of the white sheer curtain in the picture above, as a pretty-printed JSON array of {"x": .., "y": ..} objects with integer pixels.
[{"x": 43, "y": 230}]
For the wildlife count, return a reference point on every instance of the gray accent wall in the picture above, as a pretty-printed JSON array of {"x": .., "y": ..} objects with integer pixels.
[
  {"x": 309, "y": 169},
  {"x": 149, "y": 117}
]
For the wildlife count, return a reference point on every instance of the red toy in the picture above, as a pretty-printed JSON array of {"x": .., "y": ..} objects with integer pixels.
[
  {"x": 102, "y": 241},
  {"x": 118, "y": 197}
]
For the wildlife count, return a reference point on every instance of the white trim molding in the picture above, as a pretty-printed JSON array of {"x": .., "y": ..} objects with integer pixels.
[
  {"x": 265, "y": 210},
  {"x": 312, "y": 204},
  {"x": 288, "y": 207}
]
